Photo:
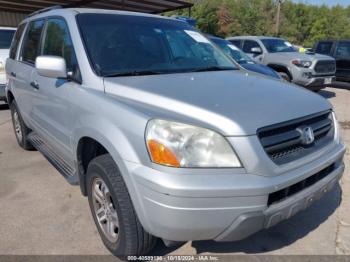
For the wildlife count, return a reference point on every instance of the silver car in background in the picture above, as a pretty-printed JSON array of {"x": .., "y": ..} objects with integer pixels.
[
  {"x": 6, "y": 35},
  {"x": 310, "y": 70},
  {"x": 164, "y": 134}
]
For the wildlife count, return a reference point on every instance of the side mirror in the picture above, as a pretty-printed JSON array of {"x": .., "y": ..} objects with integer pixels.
[
  {"x": 256, "y": 50},
  {"x": 51, "y": 66}
]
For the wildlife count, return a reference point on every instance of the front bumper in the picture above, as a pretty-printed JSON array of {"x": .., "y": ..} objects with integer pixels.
[
  {"x": 249, "y": 223},
  {"x": 308, "y": 78},
  {"x": 222, "y": 205}
]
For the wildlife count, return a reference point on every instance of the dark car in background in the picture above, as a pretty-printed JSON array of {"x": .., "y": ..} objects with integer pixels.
[
  {"x": 340, "y": 50},
  {"x": 241, "y": 58}
]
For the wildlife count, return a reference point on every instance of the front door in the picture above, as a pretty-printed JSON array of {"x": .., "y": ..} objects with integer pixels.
[{"x": 51, "y": 108}]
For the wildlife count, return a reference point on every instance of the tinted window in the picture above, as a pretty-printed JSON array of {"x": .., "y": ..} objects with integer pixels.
[
  {"x": 276, "y": 45},
  {"x": 324, "y": 47},
  {"x": 343, "y": 49},
  {"x": 6, "y": 38},
  {"x": 124, "y": 44},
  {"x": 237, "y": 43},
  {"x": 248, "y": 45},
  {"x": 16, "y": 39},
  {"x": 232, "y": 50},
  {"x": 58, "y": 43},
  {"x": 31, "y": 46}
]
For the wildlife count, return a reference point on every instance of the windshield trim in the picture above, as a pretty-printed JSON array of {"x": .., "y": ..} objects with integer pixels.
[{"x": 235, "y": 65}]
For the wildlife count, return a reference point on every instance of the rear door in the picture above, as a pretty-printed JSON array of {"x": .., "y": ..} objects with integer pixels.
[
  {"x": 20, "y": 70},
  {"x": 342, "y": 57},
  {"x": 51, "y": 109}
]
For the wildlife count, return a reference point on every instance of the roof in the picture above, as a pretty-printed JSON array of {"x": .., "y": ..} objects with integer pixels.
[
  {"x": 145, "y": 6},
  {"x": 251, "y": 37}
]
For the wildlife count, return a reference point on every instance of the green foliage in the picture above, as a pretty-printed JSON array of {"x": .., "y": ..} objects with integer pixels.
[{"x": 300, "y": 23}]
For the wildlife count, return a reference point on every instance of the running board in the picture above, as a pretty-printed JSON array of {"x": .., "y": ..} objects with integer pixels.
[{"x": 65, "y": 169}]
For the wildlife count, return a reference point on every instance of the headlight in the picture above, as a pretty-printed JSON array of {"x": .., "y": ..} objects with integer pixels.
[
  {"x": 301, "y": 63},
  {"x": 181, "y": 145}
]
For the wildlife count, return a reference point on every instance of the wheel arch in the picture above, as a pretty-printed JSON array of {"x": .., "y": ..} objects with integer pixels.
[
  {"x": 10, "y": 97},
  {"x": 281, "y": 68}
]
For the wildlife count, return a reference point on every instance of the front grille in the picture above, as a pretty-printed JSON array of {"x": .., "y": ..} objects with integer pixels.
[
  {"x": 325, "y": 66},
  {"x": 287, "y": 192},
  {"x": 287, "y": 141}
]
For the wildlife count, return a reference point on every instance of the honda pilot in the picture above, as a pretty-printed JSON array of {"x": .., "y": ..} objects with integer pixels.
[{"x": 163, "y": 132}]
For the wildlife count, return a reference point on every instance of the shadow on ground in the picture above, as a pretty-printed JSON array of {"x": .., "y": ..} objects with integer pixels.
[
  {"x": 341, "y": 85},
  {"x": 326, "y": 94},
  {"x": 274, "y": 238}
]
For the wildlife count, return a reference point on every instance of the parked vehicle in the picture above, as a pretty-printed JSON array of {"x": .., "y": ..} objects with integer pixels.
[
  {"x": 6, "y": 34},
  {"x": 313, "y": 71},
  {"x": 340, "y": 50},
  {"x": 141, "y": 112},
  {"x": 242, "y": 59}
]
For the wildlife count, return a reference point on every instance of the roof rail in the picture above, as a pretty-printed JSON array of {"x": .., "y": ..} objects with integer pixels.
[{"x": 45, "y": 10}]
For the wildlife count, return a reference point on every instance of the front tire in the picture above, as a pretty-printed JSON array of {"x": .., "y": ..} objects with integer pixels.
[
  {"x": 20, "y": 128},
  {"x": 113, "y": 211},
  {"x": 285, "y": 76}
]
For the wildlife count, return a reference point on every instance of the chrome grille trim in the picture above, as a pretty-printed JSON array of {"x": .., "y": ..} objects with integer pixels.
[{"x": 283, "y": 142}]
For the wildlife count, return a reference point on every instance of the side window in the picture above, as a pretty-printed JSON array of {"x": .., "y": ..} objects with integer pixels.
[
  {"x": 31, "y": 45},
  {"x": 58, "y": 43},
  {"x": 237, "y": 43},
  {"x": 248, "y": 45},
  {"x": 324, "y": 47},
  {"x": 343, "y": 49},
  {"x": 16, "y": 40}
]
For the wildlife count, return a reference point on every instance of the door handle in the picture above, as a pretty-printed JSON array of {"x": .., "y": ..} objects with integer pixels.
[
  {"x": 35, "y": 85},
  {"x": 13, "y": 74}
]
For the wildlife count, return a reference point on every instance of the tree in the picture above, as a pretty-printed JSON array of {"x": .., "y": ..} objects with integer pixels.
[{"x": 300, "y": 23}]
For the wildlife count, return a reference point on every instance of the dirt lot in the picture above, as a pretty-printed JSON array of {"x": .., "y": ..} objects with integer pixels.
[{"x": 42, "y": 214}]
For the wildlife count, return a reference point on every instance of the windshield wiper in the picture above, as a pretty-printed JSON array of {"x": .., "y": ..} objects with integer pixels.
[
  {"x": 213, "y": 68},
  {"x": 134, "y": 73}
]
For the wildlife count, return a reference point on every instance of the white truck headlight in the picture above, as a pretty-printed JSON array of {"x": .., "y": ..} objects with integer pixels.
[{"x": 181, "y": 145}]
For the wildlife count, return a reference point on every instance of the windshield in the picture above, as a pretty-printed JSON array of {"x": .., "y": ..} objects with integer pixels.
[
  {"x": 278, "y": 45},
  {"x": 343, "y": 49},
  {"x": 6, "y": 38},
  {"x": 233, "y": 51},
  {"x": 120, "y": 45}
]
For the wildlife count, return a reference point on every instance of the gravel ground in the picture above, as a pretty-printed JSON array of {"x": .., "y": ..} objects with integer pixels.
[{"x": 42, "y": 214}]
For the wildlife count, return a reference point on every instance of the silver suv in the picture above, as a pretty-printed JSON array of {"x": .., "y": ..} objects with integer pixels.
[
  {"x": 313, "y": 71},
  {"x": 163, "y": 132}
]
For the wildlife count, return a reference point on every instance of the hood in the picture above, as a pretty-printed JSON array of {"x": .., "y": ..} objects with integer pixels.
[
  {"x": 296, "y": 55},
  {"x": 261, "y": 69},
  {"x": 234, "y": 103}
]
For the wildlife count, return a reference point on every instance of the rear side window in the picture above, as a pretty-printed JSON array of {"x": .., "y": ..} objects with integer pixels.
[
  {"x": 343, "y": 49},
  {"x": 324, "y": 48},
  {"x": 248, "y": 45},
  {"x": 31, "y": 45},
  {"x": 236, "y": 43},
  {"x": 58, "y": 42},
  {"x": 16, "y": 40}
]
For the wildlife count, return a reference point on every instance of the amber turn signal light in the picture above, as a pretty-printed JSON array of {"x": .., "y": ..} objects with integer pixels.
[{"x": 162, "y": 155}]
